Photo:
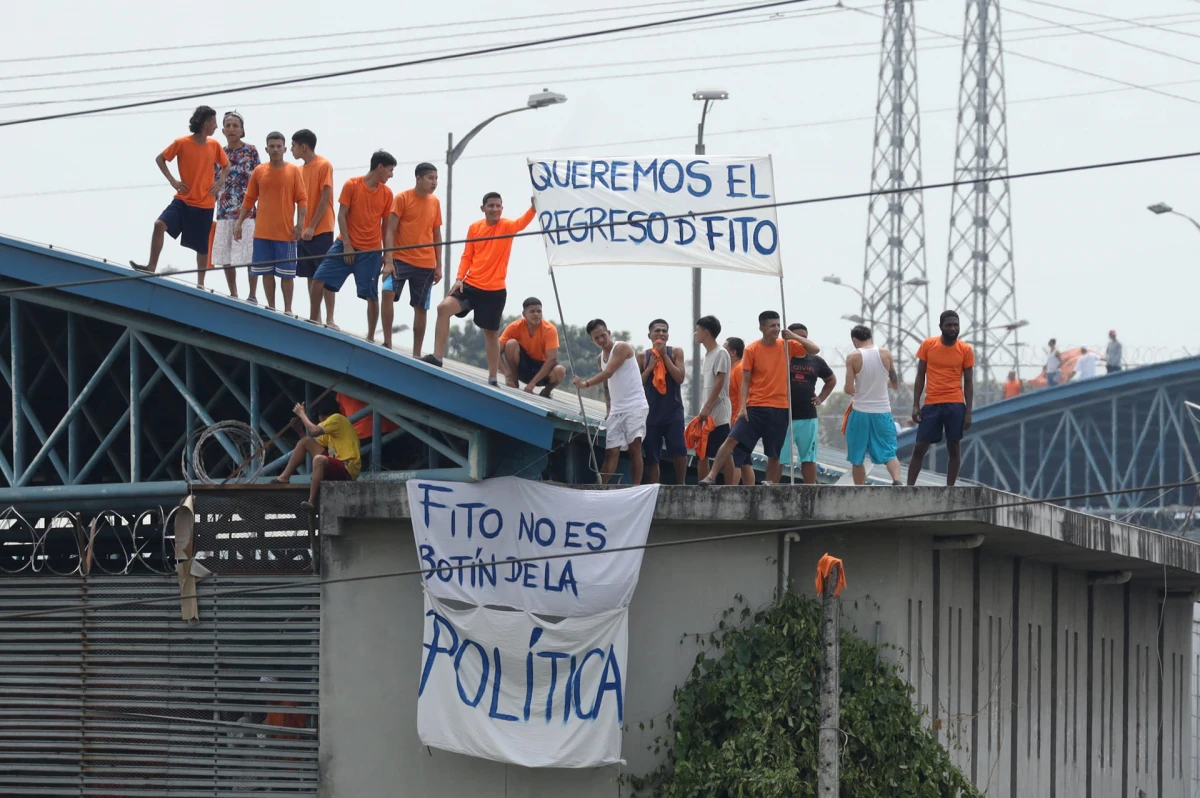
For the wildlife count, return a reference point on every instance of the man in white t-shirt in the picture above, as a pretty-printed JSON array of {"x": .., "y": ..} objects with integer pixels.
[
  {"x": 715, "y": 393},
  {"x": 1085, "y": 366}
]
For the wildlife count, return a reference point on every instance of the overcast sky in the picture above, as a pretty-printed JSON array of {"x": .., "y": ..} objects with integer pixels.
[{"x": 802, "y": 84}]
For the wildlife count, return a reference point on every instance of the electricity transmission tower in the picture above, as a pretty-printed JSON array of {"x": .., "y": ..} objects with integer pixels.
[
  {"x": 895, "y": 295},
  {"x": 980, "y": 283}
]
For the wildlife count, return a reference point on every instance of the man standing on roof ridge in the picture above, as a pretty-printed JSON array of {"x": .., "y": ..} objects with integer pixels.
[
  {"x": 416, "y": 218},
  {"x": 947, "y": 364}
]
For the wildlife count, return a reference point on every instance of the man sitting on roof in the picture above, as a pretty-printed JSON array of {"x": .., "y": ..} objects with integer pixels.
[{"x": 333, "y": 444}]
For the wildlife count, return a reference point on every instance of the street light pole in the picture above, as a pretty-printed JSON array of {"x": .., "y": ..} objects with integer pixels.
[
  {"x": 708, "y": 97},
  {"x": 454, "y": 151},
  {"x": 1160, "y": 208}
]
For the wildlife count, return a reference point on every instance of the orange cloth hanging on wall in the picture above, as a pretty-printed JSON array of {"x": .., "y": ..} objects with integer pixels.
[{"x": 824, "y": 568}]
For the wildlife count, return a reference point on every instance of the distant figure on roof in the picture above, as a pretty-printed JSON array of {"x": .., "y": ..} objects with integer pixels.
[
  {"x": 481, "y": 283},
  {"x": 416, "y": 218},
  {"x": 317, "y": 236},
  {"x": 1112, "y": 356},
  {"x": 224, "y": 250},
  {"x": 529, "y": 351},
  {"x": 1085, "y": 366},
  {"x": 742, "y": 457},
  {"x": 333, "y": 444},
  {"x": 277, "y": 189},
  {"x": 1053, "y": 363},
  {"x": 363, "y": 210},
  {"x": 715, "y": 393},
  {"x": 624, "y": 399},
  {"x": 1012, "y": 386},
  {"x": 190, "y": 214},
  {"x": 946, "y": 365}
]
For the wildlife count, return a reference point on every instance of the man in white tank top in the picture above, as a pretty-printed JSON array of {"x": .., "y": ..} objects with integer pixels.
[
  {"x": 870, "y": 429},
  {"x": 625, "y": 399}
]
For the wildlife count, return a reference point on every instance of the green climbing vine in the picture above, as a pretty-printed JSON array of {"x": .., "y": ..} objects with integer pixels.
[{"x": 746, "y": 722}]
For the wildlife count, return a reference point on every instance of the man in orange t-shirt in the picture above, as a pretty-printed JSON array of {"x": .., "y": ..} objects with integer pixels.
[
  {"x": 364, "y": 206},
  {"x": 190, "y": 213},
  {"x": 743, "y": 470},
  {"x": 944, "y": 368},
  {"x": 480, "y": 285},
  {"x": 765, "y": 392},
  {"x": 416, "y": 219},
  {"x": 529, "y": 351},
  {"x": 1012, "y": 386},
  {"x": 278, "y": 189},
  {"x": 317, "y": 236}
]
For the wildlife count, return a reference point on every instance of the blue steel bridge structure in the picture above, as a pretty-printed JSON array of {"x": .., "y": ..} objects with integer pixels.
[{"x": 1125, "y": 430}]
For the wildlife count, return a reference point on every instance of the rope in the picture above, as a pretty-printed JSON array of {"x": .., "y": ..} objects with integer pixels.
[{"x": 566, "y": 341}]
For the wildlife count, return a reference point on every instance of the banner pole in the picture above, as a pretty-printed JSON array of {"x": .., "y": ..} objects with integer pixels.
[
  {"x": 787, "y": 380},
  {"x": 566, "y": 342}
]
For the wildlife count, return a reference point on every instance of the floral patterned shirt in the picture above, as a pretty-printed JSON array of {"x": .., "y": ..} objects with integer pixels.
[{"x": 242, "y": 161}]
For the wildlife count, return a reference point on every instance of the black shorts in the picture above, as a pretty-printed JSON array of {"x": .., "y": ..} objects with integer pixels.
[
  {"x": 315, "y": 250},
  {"x": 420, "y": 283},
  {"x": 528, "y": 368},
  {"x": 670, "y": 434},
  {"x": 768, "y": 424},
  {"x": 191, "y": 225},
  {"x": 945, "y": 418},
  {"x": 487, "y": 305},
  {"x": 742, "y": 456},
  {"x": 715, "y": 438}
]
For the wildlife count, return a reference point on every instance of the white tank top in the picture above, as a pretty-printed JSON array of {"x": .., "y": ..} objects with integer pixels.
[
  {"x": 871, "y": 384},
  {"x": 625, "y": 391}
]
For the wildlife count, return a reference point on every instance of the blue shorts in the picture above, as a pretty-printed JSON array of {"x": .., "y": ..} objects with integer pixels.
[
  {"x": 314, "y": 250},
  {"x": 944, "y": 418},
  {"x": 190, "y": 222},
  {"x": 282, "y": 252},
  {"x": 870, "y": 433},
  {"x": 333, "y": 271},
  {"x": 671, "y": 434},
  {"x": 804, "y": 435},
  {"x": 768, "y": 424},
  {"x": 742, "y": 455},
  {"x": 420, "y": 283}
]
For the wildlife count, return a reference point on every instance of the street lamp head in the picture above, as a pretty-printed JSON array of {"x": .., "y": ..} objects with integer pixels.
[
  {"x": 1160, "y": 208},
  {"x": 1021, "y": 323},
  {"x": 854, "y": 319},
  {"x": 832, "y": 278},
  {"x": 710, "y": 94},
  {"x": 917, "y": 282},
  {"x": 544, "y": 98}
]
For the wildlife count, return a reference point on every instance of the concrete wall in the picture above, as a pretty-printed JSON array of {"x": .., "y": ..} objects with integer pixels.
[{"x": 1040, "y": 684}]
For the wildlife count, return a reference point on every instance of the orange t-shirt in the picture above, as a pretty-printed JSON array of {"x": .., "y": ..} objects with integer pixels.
[
  {"x": 484, "y": 264},
  {"x": 735, "y": 389},
  {"x": 944, "y": 369},
  {"x": 278, "y": 190},
  {"x": 545, "y": 337},
  {"x": 368, "y": 211},
  {"x": 767, "y": 369},
  {"x": 196, "y": 168},
  {"x": 419, "y": 217},
  {"x": 318, "y": 175},
  {"x": 1012, "y": 388}
]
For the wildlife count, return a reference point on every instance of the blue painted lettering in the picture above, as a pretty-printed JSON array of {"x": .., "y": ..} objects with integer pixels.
[
  {"x": 774, "y": 237},
  {"x": 650, "y": 171},
  {"x": 662, "y": 176},
  {"x": 696, "y": 174},
  {"x": 595, "y": 531},
  {"x": 753, "y": 189},
  {"x": 434, "y": 650},
  {"x": 427, "y": 503},
  {"x": 537, "y": 531},
  {"x": 426, "y": 552},
  {"x": 554, "y": 657},
  {"x": 493, "y": 711},
  {"x": 589, "y": 715},
  {"x": 492, "y": 513},
  {"x": 616, "y": 174},
  {"x": 533, "y": 178},
  {"x": 599, "y": 170},
  {"x": 658, "y": 216},
  {"x": 683, "y": 225},
  {"x": 483, "y": 657},
  {"x": 734, "y": 181},
  {"x": 569, "y": 536}
]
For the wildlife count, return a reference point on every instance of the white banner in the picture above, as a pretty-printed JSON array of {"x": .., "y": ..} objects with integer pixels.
[
  {"x": 507, "y": 686},
  {"x": 484, "y": 526},
  {"x": 661, "y": 210}
]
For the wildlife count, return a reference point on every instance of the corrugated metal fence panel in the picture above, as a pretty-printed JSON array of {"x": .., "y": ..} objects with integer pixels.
[{"x": 132, "y": 701}]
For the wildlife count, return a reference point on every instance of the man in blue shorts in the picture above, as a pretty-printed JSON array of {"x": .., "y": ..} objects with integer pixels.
[
  {"x": 945, "y": 364},
  {"x": 805, "y": 371},
  {"x": 317, "y": 236},
  {"x": 278, "y": 189},
  {"x": 364, "y": 206},
  {"x": 870, "y": 429}
]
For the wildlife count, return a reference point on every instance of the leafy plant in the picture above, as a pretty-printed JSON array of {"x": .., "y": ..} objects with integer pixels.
[{"x": 747, "y": 719}]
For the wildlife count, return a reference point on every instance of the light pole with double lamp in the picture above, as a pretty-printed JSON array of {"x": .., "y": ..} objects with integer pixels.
[
  {"x": 454, "y": 151},
  {"x": 708, "y": 97}
]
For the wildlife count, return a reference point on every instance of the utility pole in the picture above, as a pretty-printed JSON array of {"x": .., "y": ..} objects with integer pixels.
[
  {"x": 980, "y": 279},
  {"x": 895, "y": 288},
  {"x": 828, "y": 739}
]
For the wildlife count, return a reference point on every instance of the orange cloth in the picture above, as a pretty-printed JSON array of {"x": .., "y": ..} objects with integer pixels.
[
  {"x": 767, "y": 370},
  {"x": 735, "y": 389},
  {"x": 364, "y": 426},
  {"x": 368, "y": 211},
  {"x": 196, "y": 170},
  {"x": 419, "y": 218},
  {"x": 279, "y": 191},
  {"x": 484, "y": 264},
  {"x": 544, "y": 338},
  {"x": 944, "y": 369},
  {"x": 695, "y": 435},
  {"x": 659, "y": 378},
  {"x": 318, "y": 175},
  {"x": 824, "y": 568},
  {"x": 1012, "y": 388},
  {"x": 846, "y": 417}
]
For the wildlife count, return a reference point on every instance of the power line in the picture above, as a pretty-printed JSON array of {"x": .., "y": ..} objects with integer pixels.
[
  {"x": 739, "y": 209},
  {"x": 413, "y": 62},
  {"x": 1105, "y": 37},
  {"x": 84, "y": 607},
  {"x": 1133, "y": 20}
]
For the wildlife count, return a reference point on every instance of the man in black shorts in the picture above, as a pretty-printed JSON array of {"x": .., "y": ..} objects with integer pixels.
[
  {"x": 529, "y": 351},
  {"x": 317, "y": 236},
  {"x": 481, "y": 283}
]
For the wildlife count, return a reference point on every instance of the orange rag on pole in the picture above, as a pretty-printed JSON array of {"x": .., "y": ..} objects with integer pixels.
[
  {"x": 824, "y": 568},
  {"x": 696, "y": 435},
  {"x": 660, "y": 371},
  {"x": 846, "y": 418}
]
